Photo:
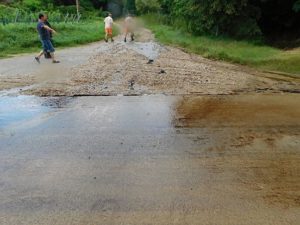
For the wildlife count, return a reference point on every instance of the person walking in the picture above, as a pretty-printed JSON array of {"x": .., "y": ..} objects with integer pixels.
[
  {"x": 44, "y": 33},
  {"x": 129, "y": 28},
  {"x": 108, "y": 21},
  {"x": 47, "y": 54}
]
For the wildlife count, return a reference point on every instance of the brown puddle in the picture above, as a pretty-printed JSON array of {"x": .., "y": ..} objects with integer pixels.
[{"x": 239, "y": 111}]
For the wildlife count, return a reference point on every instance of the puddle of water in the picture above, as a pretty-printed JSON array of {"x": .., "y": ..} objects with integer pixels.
[
  {"x": 132, "y": 141},
  {"x": 216, "y": 111},
  {"x": 18, "y": 109}
]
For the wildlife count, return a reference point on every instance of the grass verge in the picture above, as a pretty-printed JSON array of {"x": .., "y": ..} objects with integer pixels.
[
  {"x": 241, "y": 52},
  {"x": 23, "y": 38}
]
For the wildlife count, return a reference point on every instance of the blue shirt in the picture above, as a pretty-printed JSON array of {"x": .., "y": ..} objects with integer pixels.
[{"x": 44, "y": 34}]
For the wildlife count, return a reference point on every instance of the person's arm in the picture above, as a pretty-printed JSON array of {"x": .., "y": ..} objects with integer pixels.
[{"x": 49, "y": 29}]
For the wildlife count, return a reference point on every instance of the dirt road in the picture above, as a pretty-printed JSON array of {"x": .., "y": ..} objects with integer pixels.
[
  {"x": 142, "y": 67},
  {"x": 203, "y": 142}
]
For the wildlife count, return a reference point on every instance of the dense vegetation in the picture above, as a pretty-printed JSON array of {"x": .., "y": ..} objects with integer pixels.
[
  {"x": 247, "y": 19},
  {"x": 272, "y": 19}
]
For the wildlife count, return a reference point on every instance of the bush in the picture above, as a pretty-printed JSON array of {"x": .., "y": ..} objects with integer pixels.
[
  {"x": 147, "y": 6},
  {"x": 234, "y": 17}
]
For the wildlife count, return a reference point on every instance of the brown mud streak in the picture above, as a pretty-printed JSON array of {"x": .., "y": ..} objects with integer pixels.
[{"x": 257, "y": 138}]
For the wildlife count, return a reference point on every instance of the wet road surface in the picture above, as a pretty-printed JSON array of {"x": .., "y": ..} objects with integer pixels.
[{"x": 150, "y": 160}]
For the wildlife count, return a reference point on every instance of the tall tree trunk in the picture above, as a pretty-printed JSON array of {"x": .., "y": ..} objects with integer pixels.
[{"x": 77, "y": 7}]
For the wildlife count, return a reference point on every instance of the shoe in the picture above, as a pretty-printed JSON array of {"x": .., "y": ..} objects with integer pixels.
[
  {"x": 125, "y": 40},
  {"x": 55, "y": 61},
  {"x": 106, "y": 40},
  {"x": 37, "y": 59},
  {"x": 112, "y": 40}
]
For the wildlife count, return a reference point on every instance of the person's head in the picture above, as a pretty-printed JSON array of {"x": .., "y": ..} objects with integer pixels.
[
  {"x": 42, "y": 17},
  {"x": 109, "y": 14}
]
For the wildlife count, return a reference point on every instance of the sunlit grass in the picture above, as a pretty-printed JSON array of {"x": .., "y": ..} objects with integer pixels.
[{"x": 21, "y": 38}]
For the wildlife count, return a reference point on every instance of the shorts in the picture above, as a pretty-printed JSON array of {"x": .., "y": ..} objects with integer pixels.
[
  {"x": 48, "y": 46},
  {"x": 128, "y": 30},
  {"x": 109, "y": 31}
]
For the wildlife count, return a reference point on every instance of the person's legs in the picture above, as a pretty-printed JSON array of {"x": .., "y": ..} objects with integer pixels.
[
  {"x": 111, "y": 34},
  {"x": 126, "y": 33},
  {"x": 51, "y": 50},
  {"x": 132, "y": 36},
  {"x": 106, "y": 35},
  {"x": 37, "y": 58}
]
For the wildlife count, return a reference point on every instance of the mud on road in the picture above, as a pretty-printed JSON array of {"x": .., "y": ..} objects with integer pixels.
[
  {"x": 150, "y": 160},
  {"x": 137, "y": 68}
]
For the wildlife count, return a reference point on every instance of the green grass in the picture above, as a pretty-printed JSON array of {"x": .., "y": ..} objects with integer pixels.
[
  {"x": 23, "y": 38},
  {"x": 241, "y": 52}
]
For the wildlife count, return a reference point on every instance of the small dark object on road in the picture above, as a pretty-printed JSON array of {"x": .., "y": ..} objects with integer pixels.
[
  {"x": 131, "y": 83},
  {"x": 162, "y": 71},
  {"x": 150, "y": 61}
]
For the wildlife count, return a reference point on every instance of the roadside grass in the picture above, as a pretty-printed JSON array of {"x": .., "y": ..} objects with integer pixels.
[
  {"x": 23, "y": 38},
  {"x": 241, "y": 52}
]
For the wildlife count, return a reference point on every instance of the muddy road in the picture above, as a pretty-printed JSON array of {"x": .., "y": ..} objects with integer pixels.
[
  {"x": 144, "y": 134},
  {"x": 150, "y": 160}
]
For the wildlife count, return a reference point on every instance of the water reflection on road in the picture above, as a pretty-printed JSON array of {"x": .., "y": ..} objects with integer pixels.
[{"x": 150, "y": 160}]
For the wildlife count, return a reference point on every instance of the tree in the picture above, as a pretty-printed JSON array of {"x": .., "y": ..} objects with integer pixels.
[
  {"x": 77, "y": 8},
  {"x": 146, "y": 6},
  {"x": 130, "y": 6}
]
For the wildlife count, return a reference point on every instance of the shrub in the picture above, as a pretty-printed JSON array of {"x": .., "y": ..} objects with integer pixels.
[{"x": 147, "y": 6}]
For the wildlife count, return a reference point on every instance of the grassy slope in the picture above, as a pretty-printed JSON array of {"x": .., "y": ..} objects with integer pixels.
[
  {"x": 21, "y": 38},
  {"x": 242, "y": 52}
]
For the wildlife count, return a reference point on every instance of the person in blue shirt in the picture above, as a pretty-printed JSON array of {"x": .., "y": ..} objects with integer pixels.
[{"x": 45, "y": 37}]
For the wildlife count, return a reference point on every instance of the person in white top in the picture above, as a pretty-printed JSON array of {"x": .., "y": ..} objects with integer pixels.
[
  {"x": 108, "y": 21},
  {"x": 129, "y": 27}
]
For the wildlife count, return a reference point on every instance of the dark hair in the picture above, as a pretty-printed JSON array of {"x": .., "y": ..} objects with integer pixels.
[{"x": 41, "y": 15}]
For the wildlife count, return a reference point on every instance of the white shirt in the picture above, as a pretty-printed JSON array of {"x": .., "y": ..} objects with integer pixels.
[{"x": 108, "y": 22}]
